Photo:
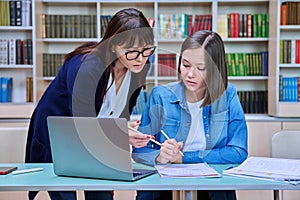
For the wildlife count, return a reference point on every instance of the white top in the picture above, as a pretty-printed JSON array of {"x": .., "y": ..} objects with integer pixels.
[
  {"x": 196, "y": 137},
  {"x": 113, "y": 102}
]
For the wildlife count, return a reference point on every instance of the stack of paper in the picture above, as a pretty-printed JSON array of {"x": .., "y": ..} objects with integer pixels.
[
  {"x": 278, "y": 169},
  {"x": 186, "y": 170}
]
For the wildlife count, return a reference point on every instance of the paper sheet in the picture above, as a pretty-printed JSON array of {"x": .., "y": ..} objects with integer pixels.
[
  {"x": 186, "y": 170},
  {"x": 279, "y": 169}
]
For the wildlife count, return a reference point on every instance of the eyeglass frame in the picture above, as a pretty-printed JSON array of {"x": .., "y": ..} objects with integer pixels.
[{"x": 140, "y": 52}]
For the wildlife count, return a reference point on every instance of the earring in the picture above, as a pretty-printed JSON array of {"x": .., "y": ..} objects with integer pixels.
[{"x": 113, "y": 51}]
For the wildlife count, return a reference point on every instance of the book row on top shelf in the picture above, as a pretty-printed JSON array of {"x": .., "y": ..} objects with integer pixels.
[
  {"x": 290, "y": 13},
  {"x": 15, "y": 13}
]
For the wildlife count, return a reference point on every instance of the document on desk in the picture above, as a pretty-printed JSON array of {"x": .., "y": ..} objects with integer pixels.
[
  {"x": 277, "y": 169},
  {"x": 186, "y": 170}
]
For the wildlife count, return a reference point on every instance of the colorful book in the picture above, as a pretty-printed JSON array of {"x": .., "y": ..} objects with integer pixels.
[{"x": 6, "y": 89}]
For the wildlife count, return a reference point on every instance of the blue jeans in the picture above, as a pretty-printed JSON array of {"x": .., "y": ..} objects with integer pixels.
[
  {"x": 71, "y": 195},
  {"x": 201, "y": 195}
]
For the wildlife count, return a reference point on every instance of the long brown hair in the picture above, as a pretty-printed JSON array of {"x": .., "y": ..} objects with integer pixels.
[{"x": 217, "y": 79}]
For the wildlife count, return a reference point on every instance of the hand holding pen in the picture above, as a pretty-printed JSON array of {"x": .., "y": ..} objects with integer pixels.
[
  {"x": 166, "y": 136},
  {"x": 136, "y": 138},
  {"x": 170, "y": 151}
]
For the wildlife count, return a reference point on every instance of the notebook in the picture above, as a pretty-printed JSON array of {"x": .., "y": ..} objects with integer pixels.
[{"x": 93, "y": 148}]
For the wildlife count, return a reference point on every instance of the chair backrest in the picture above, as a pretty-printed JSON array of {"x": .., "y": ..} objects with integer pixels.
[{"x": 286, "y": 144}]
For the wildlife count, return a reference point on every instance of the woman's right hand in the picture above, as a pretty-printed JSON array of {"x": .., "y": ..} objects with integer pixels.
[
  {"x": 170, "y": 152},
  {"x": 136, "y": 138}
]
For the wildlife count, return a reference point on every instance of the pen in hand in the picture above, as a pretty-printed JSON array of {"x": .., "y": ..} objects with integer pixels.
[
  {"x": 151, "y": 139},
  {"x": 166, "y": 136},
  {"x": 138, "y": 132}
]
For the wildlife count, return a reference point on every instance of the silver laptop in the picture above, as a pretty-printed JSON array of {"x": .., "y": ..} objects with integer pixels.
[{"x": 92, "y": 147}]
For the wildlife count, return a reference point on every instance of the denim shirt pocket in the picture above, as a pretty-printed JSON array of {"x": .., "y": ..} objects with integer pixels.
[
  {"x": 171, "y": 127},
  {"x": 220, "y": 116},
  {"x": 218, "y": 128}
]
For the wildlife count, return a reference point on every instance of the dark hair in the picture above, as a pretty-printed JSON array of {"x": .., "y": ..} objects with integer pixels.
[
  {"x": 127, "y": 26},
  {"x": 217, "y": 79}
]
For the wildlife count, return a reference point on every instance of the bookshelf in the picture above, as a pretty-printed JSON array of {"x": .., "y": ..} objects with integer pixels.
[
  {"x": 168, "y": 42},
  {"x": 57, "y": 44},
  {"x": 251, "y": 77},
  {"x": 283, "y": 98},
  {"x": 17, "y": 58}
]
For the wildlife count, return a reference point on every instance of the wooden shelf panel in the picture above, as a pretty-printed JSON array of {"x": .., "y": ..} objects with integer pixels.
[
  {"x": 289, "y": 109},
  {"x": 13, "y": 110}
]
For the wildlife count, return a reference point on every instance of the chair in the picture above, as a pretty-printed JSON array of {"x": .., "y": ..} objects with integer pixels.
[{"x": 285, "y": 144}]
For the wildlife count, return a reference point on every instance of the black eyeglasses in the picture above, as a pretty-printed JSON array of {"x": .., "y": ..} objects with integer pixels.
[{"x": 132, "y": 55}]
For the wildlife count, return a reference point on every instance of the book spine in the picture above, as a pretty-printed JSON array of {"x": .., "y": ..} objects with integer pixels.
[
  {"x": 6, "y": 89},
  {"x": 298, "y": 50},
  {"x": 1, "y": 90},
  {"x": 12, "y": 51},
  {"x": 18, "y": 12},
  {"x": 249, "y": 25},
  {"x": 12, "y": 13},
  {"x": 29, "y": 89},
  {"x": 298, "y": 88},
  {"x": 283, "y": 14}
]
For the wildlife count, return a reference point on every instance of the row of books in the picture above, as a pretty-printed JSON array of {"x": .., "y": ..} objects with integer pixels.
[
  {"x": 289, "y": 51},
  {"x": 75, "y": 26},
  {"x": 52, "y": 63},
  {"x": 234, "y": 25},
  {"x": 239, "y": 64},
  {"x": 166, "y": 64},
  {"x": 69, "y": 26},
  {"x": 290, "y": 13},
  {"x": 104, "y": 19},
  {"x": 177, "y": 26},
  {"x": 247, "y": 64},
  {"x": 6, "y": 89},
  {"x": 15, "y": 13},
  {"x": 289, "y": 88},
  {"x": 254, "y": 101},
  {"x": 16, "y": 51}
]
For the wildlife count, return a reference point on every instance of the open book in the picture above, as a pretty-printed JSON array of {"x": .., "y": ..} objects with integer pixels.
[
  {"x": 277, "y": 169},
  {"x": 186, "y": 170}
]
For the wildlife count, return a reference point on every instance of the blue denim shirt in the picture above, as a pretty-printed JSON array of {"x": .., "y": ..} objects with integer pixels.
[{"x": 224, "y": 125}]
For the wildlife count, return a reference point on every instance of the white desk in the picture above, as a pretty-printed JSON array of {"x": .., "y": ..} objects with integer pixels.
[{"x": 47, "y": 180}]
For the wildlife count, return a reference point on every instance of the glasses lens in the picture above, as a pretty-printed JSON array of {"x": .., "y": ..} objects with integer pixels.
[
  {"x": 131, "y": 55},
  {"x": 148, "y": 52}
]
